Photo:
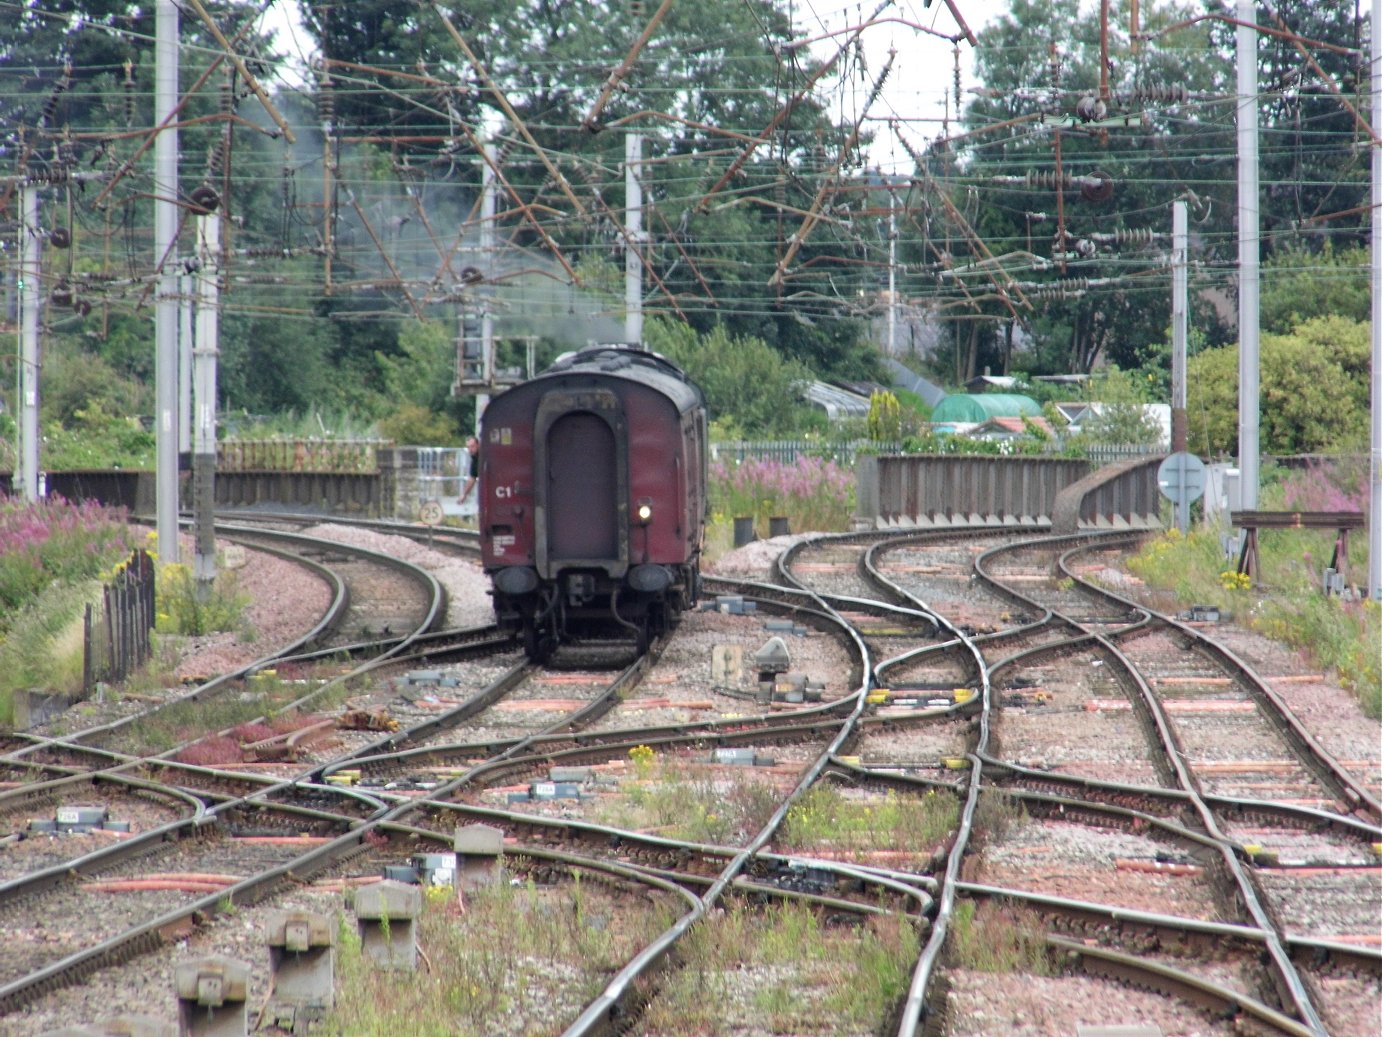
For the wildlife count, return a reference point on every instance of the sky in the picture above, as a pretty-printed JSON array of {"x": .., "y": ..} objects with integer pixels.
[{"x": 914, "y": 94}]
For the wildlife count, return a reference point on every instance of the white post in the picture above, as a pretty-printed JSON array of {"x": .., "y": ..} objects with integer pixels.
[
  {"x": 30, "y": 278},
  {"x": 1179, "y": 325},
  {"x": 488, "y": 209},
  {"x": 892, "y": 271},
  {"x": 187, "y": 308},
  {"x": 633, "y": 244},
  {"x": 1249, "y": 405},
  {"x": 166, "y": 302},
  {"x": 204, "y": 357}
]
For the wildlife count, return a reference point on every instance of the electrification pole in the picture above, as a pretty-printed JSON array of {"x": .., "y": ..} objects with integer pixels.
[
  {"x": 633, "y": 240},
  {"x": 892, "y": 271},
  {"x": 30, "y": 269},
  {"x": 1179, "y": 324},
  {"x": 489, "y": 207},
  {"x": 1249, "y": 406},
  {"x": 204, "y": 357},
  {"x": 166, "y": 302}
]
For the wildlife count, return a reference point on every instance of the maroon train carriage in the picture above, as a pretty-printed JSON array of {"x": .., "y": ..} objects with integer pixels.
[{"x": 593, "y": 504}]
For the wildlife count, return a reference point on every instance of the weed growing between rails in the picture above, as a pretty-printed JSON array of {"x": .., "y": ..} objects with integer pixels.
[
  {"x": 782, "y": 970},
  {"x": 559, "y": 946},
  {"x": 998, "y": 938},
  {"x": 1344, "y": 634},
  {"x": 827, "y": 817},
  {"x": 681, "y": 798}
]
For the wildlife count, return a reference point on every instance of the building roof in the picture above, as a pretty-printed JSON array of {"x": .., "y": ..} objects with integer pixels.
[
  {"x": 1008, "y": 428},
  {"x": 988, "y": 382},
  {"x": 982, "y": 406},
  {"x": 836, "y": 402}
]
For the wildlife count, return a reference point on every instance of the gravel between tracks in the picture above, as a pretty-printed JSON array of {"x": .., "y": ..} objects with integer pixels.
[{"x": 284, "y": 606}]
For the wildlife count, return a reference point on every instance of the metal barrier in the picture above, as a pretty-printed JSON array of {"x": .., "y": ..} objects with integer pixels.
[
  {"x": 1123, "y": 494},
  {"x": 932, "y": 490},
  {"x": 439, "y": 476}
]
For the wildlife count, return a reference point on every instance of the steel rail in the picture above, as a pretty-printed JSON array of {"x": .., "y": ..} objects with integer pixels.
[{"x": 1291, "y": 987}]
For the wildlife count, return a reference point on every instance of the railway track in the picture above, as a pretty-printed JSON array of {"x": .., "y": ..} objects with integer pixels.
[{"x": 933, "y": 792}]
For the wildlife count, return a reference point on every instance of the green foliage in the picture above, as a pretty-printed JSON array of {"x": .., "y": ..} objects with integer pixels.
[
  {"x": 813, "y": 494},
  {"x": 95, "y": 438},
  {"x": 52, "y": 541},
  {"x": 1299, "y": 284},
  {"x": 84, "y": 391},
  {"x": 270, "y": 365},
  {"x": 559, "y": 946},
  {"x": 998, "y": 938},
  {"x": 743, "y": 379},
  {"x": 42, "y": 644},
  {"x": 9, "y": 444},
  {"x": 51, "y": 553},
  {"x": 1341, "y": 634},
  {"x": 420, "y": 372},
  {"x": 1188, "y": 565},
  {"x": 415, "y": 425},
  {"x": 885, "y": 417},
  {"x": 1121, "y": 416},
  {"x": 1311, "y": 402},
  {"x": 683, "y": 800},
  {"x": 294, "y": 425},
  {"x": 799, "y": 975},
  {"x": 825, "y": 816},
  {"x": 185, "y": 607}
]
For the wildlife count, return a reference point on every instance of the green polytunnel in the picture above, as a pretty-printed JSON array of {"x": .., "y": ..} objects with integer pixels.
[{"x": 981, "y": 407}]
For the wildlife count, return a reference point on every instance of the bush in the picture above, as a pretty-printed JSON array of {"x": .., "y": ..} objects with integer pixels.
[
  {"x": 54, "y": 541},
  {"x": 811, "y": 493},
  {"x": 186, "y": 608}
]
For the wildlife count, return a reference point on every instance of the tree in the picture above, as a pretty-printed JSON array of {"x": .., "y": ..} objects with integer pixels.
[
  {"x": 1121, "y": 415},
  {"x": 1097, "y": 284},
  {"x": 1310, "y": 402},
  {"x": 745, "y": 382},
  {"x": 1299, "y": 283},
  {"x": 1316, "y": 186},
  {"x": 708, "y": 80}
]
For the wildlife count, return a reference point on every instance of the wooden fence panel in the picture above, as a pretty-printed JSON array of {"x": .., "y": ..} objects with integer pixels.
[{"x": 117, "y": 639}]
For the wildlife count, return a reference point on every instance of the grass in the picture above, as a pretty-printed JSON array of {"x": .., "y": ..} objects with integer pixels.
[
  {"x": 52, "y": 557},
  {"x": 998, "y": 938},
  {"x": 1288, "y": 605},
  {"x": 43, "y": 647},
  {"x": 233, "y": 706},
  {"x": 559, "y": 946},
  {"x": 781, "y": 970},
  {"x": 681, "y": 798},
  {"x": 825, "y": 816}
]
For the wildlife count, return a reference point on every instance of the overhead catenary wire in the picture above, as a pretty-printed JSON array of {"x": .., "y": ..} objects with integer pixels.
[{"x": 543, "y": 222}]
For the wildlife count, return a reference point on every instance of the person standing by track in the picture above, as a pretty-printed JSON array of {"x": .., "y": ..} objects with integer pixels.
[{"x": 470, "y": 486}]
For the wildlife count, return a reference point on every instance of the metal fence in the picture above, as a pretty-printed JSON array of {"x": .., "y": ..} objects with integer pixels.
[
  {"x": 116, "y": 640},
  {"x": 786, "y": 451},
  {"x": 299, "y": 455}
]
